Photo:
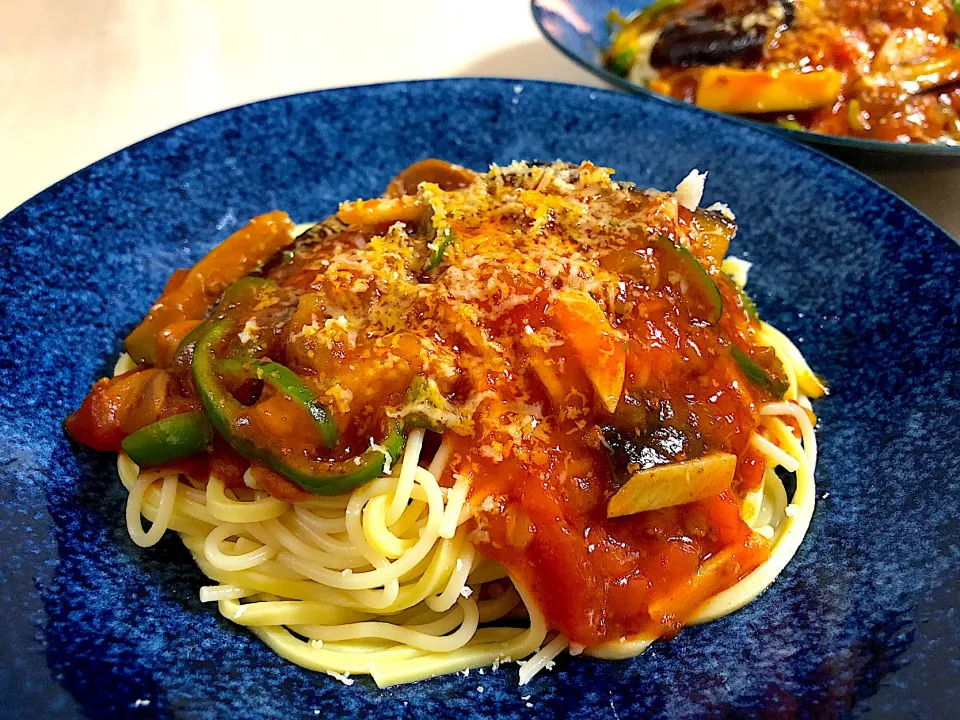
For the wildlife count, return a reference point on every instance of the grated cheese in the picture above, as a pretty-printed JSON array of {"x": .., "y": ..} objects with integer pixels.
[
  {"x": 341, "y": 396},
  {"x": 344, "y": 678},
  {"x": 249, "y": 332},
  {"x": 387, "y": 459},
  {"x": 689, "y": 192}
]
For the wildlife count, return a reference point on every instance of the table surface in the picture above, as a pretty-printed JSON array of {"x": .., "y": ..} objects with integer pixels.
[{"x": 80, "y": 80}]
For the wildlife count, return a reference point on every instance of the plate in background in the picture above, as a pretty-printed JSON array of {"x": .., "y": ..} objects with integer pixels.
[
  {"x": 863, "y": 618},
  {"x": 578, "y": 29}
]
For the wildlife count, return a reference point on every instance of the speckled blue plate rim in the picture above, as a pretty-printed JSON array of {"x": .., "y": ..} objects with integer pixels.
[
  {"x": 788, "y": 136},
  {"x": 105, "y": 629},
  {"x": 594, "y": 67}
]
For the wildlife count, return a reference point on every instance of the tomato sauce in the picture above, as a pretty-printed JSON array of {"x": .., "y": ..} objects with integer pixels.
[
  {"x": 562, "y": 332},
  {"x": 542, "y": 511}
]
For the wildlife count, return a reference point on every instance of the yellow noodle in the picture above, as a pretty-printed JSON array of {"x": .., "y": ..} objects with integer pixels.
[
  {"x": 413, "y": 636},
  {"x": 456, "y": 586},
  {"x": 244, "y": 561},
  {"x": 162, "y": 515},
  {"x": 405, "y": 480},
  {"x": 233, "y": 511},
  {"x": 384, "y": 580},
  {"x": 542, "y": 658}
]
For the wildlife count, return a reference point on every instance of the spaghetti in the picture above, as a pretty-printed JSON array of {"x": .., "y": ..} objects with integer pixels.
[{"x": 429, "y": 565}]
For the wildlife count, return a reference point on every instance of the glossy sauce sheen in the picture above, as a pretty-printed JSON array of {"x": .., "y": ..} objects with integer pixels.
[{"x": 561, "y": 316}]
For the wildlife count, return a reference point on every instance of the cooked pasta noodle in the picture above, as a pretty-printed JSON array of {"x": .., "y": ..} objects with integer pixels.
[{"x": 330, "y": 555}]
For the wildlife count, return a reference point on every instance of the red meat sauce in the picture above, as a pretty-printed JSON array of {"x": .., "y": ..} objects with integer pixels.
[
  {"x": 539, "y": 493},
  {"x": 597, "y": 579},
  {"x": 541, "y": 512}
]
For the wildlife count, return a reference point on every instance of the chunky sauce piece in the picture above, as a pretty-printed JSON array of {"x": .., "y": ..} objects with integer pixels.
[{"x": 561, "y": 331}]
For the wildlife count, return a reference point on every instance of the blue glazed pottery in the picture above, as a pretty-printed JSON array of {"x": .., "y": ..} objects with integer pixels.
[{"x": 862, "y": 622}]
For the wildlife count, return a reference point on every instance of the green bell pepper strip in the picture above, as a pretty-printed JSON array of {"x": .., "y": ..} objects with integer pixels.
[
  {"x": 242, "y": 291},
  {"x": 697, "y": 276},
  {"x": 285, "y": 381},
  {"x": 424, "y": 395},
  {"x": 172, "y": 438},
  {"x": 788, "y": 124},
  {"x": 444, "y": 238},
  {"x": 756, "y": 374},
  {"x": 621, "y": 63},
  {"x": 317, "y": 477}
]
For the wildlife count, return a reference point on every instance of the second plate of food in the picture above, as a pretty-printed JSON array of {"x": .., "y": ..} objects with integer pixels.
[
  {"x": 527, "y": 413},
  {"x": 857, "y": 78}
]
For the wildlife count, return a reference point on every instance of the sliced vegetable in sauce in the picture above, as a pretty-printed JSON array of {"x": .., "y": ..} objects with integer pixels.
[
  {"x": 426, "y": 407},
  {"x": 916, "y": 77},
  {"x": 695, "y": 275},
  {"x": 234, "y": 422},
  {"x": 380, "y": 211},
  {"x": 170, "y": 439},
  {"x": 596, "y": 344},
  {"x": 439, "y": 247},
  {"x": 623, "y": 61},
  {"x": 703, "y": 40},
  {"x": 191, "y": 298},
  {"x": 119, "y": 406},
  {"x": 679, "y": 483},
  {"x": 788, "y": 124},
  {"x": 242, "y": 292},
  {"x": 757, "y": 375},
  {"x": 562, "y": 386},
  {"x": 644, "y": 444},
  {"x": 287, "y": 382},
  {"x": 439, "y": 172},
  {"x": 733, "y": 90}
]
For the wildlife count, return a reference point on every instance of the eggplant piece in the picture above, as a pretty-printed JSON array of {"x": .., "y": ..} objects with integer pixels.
[
  {"x": 711, "y": 38},
  {"x": 701, "y": 41},
  {"x": 700, "y": 288},
  {"x": 630, "y": 452}
]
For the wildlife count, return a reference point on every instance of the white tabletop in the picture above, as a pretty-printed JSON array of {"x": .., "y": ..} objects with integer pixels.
[{"x": 79, "y": 80}]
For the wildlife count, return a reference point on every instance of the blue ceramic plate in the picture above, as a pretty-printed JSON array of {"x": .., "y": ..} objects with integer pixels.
[
  {"x": 578, "y": 29},
  {"x": 864, "y": 618}
]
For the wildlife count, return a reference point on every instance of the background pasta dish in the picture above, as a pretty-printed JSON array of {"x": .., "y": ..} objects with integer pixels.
[{"x": 878, "y": 69}]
